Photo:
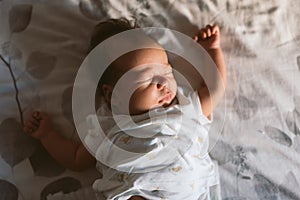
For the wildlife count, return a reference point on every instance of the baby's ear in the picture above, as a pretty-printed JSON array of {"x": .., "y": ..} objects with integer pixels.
[{"x": 107, "y": 92}]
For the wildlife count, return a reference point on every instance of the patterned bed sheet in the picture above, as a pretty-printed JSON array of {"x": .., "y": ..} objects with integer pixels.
[{"x": 42, "y": 44}]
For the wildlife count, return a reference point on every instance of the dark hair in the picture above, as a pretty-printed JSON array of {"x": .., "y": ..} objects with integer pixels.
[{"x": 101, "y": 32}]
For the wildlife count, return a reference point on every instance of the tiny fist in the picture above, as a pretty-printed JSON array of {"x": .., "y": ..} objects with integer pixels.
[
  {"x": 203, "y": 34},
  {"x": 208, "y": 37}
]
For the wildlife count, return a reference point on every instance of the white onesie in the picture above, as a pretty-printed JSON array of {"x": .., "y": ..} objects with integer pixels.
[{"x": 162, "y": 156}]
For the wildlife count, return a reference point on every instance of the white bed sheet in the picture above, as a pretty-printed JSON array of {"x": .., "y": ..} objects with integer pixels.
[{"x": 44, "y": 42}]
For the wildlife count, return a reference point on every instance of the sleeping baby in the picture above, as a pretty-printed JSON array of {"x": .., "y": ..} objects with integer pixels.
[{"x": 155, "y": 145}]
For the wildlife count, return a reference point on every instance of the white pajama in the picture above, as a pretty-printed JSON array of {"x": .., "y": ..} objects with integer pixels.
[{"x": 167, "y": 156}]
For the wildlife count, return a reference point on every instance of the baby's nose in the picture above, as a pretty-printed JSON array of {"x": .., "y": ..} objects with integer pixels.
[{"x": 161, "y": 82}]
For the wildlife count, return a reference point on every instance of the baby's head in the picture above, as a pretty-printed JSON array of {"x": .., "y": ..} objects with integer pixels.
[{"x": 154, "y": 82}]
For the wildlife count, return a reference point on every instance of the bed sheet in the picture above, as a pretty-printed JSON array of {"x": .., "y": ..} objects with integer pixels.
[{"x": 42, "y": 44}]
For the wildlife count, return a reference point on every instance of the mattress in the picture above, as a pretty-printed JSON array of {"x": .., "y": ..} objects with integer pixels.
[{"x": 43, "y": 43}]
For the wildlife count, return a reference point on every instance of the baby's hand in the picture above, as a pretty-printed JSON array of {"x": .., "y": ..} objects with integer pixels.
[
  {"x": 38, "y": 125},
  {"x": 208, "y": 37}
]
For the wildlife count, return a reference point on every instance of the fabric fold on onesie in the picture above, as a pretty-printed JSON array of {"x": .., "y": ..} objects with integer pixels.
[{"x": 159, "y": 154}]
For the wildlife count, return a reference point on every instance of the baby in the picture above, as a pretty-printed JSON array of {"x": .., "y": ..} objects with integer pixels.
[{"x": 159, "y": 94}]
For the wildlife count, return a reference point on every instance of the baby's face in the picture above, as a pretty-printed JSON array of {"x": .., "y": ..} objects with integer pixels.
[{"x": 154, "y": 82}]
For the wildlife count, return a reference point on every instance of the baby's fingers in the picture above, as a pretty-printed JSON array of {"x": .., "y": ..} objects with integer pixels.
[
  {"x": 209, "y": 37},
  {"x": 202, "y": 34},
  {"x": 208, "y": 30},
  {"x": 205, "y": 33},
  {"x": 215, "y": 29}
]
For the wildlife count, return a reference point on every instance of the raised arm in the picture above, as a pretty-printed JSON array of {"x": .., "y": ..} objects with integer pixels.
[
  {"x": 68, "y": 153},
  {"x": 209, "y": 39}
]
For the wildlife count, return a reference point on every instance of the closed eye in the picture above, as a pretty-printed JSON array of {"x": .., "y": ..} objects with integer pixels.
[
  {"x": 169, "y": 73},
  {"x": 146, "y": 77},
  {"x": 144, "y": 80}
]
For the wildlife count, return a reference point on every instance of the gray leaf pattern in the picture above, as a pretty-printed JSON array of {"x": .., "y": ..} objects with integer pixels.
[
  {"x": 144, "y": 4},
  {"x": 11, "y": 50},
  {"x": 222, "y": 152},
  {"x": 240, "y": 50},
  {"x": 257, "y": 16},
  {"x": 265, "y": 189},
  {"x": 156, "y": 20},
  {"x": 244, "y": 107},
  {"x": 202, "y": 5},
  {"x": 277, "y": 135},
  {"x": 293, "y": 122},
  {"x": 92, "y": 9},
  {"x": 235, "y": 198},
  {"x": 15, "y": 145},
  {"x": 298, "y": 62},
  {"x": 43, "y": 164},
  {"x": 297, "y": 103},
  {"x": 8, "y": 191},
  {"x": 40, "y": 64},
  {"x": 19, "y": 17},
  {"x": 286, "y": 187},
  {"x": 239, "y": 160}
]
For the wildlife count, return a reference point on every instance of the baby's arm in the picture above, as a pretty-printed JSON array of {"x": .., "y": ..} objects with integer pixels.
[
  {"x": 68, "y": 153},
  {"x": 209, "y": 39}
]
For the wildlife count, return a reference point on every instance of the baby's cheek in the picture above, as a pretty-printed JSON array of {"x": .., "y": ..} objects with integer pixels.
[
  {"x": 144, "y": 100},
  {"x": 173, "y": 86},
  {"x": 136, "y": 102}
]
